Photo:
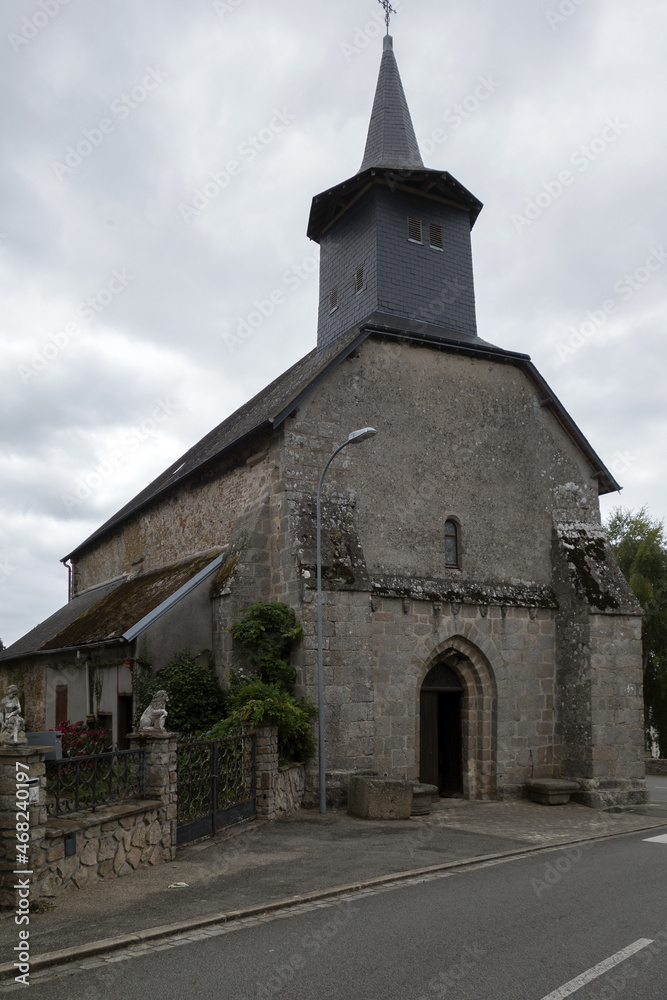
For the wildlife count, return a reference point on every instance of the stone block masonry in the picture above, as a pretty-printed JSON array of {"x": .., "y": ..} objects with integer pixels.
[{"x": 76, "y": 849}]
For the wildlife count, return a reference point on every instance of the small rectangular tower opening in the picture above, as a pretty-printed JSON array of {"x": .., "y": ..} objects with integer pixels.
[{"x": 414, "y": 230}]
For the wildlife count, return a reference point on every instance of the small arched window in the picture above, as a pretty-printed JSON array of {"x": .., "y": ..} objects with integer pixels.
[{"x": 452, "y": 544}]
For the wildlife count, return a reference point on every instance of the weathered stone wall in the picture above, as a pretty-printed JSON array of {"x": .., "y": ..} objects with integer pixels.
[
  {"x": 290, "y": 789},
  {"x": 656, "y": 767},
  {"x": 457, "y": 435},
  {"x": 115, "y": 840},
  {"x": 202, "y": 513},
  {"x": 376, "y": 656},
  {"x": 29, "y": 675},
  {"x": 600, "y": 729}
]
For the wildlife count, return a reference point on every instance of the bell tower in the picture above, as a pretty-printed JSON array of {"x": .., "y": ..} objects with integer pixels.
[{"x": 395, "y": 250}]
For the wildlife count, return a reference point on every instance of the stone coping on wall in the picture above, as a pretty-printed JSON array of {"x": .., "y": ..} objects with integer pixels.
[
  {"x": 65, "y": 824},
  {"x": 447, "y": 592}
]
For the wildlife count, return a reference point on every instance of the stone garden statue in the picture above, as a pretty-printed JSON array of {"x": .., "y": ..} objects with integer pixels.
[
  {"x": 154, "y": 716},
  {"x": 12, "y": 723}
]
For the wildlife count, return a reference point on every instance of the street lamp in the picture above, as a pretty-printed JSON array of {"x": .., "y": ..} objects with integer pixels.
[{"x": 353, "y": 438}]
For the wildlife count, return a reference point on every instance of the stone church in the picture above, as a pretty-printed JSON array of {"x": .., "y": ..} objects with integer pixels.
[{"x": 477, "y": 629}]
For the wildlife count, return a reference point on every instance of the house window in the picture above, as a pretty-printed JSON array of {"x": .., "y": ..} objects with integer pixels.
[
  {"x": 414, "y": 230},
  {"x": 358, "y": 279},
  {"x": 436, "y": 239},
  {"x": 452, "y": 544},
  {"x": 333, "y": 299}
]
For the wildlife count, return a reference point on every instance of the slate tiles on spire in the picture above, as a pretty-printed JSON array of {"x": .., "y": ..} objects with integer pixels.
[{"x": 391, "y": 138}]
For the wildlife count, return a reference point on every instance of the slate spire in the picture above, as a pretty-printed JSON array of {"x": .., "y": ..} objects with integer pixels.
[{"x": 391, "y": 138}]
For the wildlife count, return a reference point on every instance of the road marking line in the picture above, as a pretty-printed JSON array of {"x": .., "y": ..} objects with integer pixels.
[
  {"x": 656, "y": 840},
  {"x": 598, "y": 970}
]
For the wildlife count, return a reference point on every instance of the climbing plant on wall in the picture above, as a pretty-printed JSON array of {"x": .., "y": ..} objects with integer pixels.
[{"x": 261, "y": 683}]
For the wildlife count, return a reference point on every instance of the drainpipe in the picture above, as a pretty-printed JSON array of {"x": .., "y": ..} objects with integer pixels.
[{"x": 68, "y": 566}]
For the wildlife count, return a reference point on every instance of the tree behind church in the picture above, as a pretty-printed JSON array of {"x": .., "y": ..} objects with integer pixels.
[{"x": 641, "y": 549}]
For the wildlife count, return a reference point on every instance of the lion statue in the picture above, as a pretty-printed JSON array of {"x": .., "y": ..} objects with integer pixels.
[{"x": 154, "y": 716}]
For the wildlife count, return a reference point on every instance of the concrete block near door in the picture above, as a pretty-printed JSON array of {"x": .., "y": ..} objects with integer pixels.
[
  {"x": 551, "y": 791},
  {"x": 379, "y": 798}
]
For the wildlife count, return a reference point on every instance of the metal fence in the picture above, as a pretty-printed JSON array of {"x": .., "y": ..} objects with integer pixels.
[
  {"x": 94, "y": 781},
  {"x": 216, "y": 784}
]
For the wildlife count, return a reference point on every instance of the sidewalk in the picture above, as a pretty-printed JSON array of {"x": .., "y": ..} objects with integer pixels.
[{"x": 264, "y": 864}]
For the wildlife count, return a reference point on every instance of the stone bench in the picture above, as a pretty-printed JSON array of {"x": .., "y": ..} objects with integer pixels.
[
  {"x": 551, "y": 791},
  {"x": 379, "y": 798}
]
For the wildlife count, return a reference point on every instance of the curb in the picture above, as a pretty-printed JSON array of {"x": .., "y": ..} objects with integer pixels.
[{"x": 107, "y": 945}]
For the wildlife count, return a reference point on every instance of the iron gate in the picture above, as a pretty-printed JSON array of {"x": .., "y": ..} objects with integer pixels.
[{"x": 216, "y": 784}]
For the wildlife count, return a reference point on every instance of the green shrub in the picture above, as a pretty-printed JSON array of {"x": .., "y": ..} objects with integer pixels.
[
  {"x": 261, "y": 687},
  {"x": 260, "y": 704},
  {"x": 267, "y": 632},
  {"x": 196, "y": 700}
]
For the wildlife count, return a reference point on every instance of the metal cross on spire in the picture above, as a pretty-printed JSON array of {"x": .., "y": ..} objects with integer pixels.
[{"x": 388, "y": 11}]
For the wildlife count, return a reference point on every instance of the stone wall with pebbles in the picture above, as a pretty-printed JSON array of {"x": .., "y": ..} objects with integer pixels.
[{"x": 115, "y": 840}]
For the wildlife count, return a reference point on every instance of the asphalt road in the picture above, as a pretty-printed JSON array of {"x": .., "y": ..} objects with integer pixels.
[{"x": 516, "y": 930}]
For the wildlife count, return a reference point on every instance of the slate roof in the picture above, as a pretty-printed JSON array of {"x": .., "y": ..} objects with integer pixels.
[
  {"x": 107, "y": 613},
  {"x": 391, "y": 140},
  {"x": 37, "y": 638},
  {"x": 267, "y": 409}
]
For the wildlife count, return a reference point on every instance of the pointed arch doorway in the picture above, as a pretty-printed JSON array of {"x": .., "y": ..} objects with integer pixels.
[{"x": 441, "y": 728}]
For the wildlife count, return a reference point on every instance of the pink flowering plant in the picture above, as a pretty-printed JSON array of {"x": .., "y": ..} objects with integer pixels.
[{"x": 78, "y": 741}]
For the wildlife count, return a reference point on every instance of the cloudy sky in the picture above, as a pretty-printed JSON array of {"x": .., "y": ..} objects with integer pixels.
[{"x": 158, "y": 161}]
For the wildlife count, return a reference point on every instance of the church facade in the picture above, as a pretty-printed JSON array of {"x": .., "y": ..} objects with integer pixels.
[{"x": 477, "y": 629}]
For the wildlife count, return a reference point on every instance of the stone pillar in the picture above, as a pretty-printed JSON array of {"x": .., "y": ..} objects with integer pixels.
[
  {"x": 161, "y": 777},
  {"x": 31, "y": 760},
  {"x": 266, "y": 770}
]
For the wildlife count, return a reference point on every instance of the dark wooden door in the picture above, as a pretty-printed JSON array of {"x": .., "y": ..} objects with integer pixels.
[
  {"x": 450, "y": 764},
  {"x": 428, "y": 738},
  {"x": 61, "y": 703},
  {"x": 440, "y": 750}
]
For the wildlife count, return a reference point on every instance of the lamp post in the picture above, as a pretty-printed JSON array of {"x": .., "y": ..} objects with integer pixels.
[{"x": 353, "y": 438}]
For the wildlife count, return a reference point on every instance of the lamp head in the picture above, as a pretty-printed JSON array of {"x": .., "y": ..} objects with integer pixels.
[{"x": 361, "y": 435}]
